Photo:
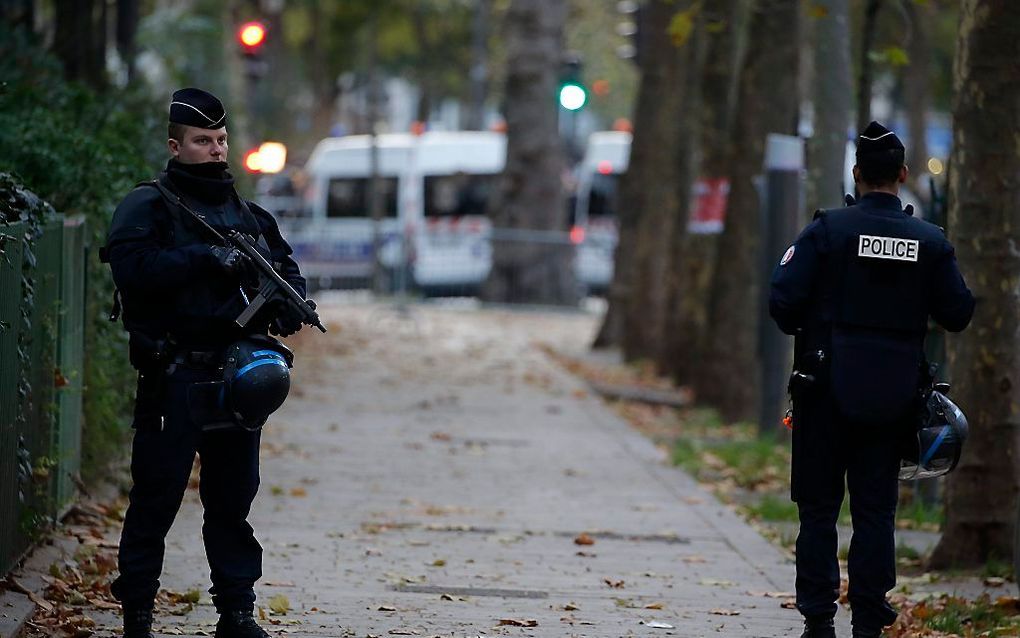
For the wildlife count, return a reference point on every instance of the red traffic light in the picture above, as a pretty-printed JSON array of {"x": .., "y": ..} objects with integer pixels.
[{"x": 252, "y": 35}]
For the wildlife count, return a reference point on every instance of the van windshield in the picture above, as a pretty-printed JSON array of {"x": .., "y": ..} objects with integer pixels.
[
  {"x": 458, "y": 195},
  {"x": 604, "y": 198},
  {"x": 349, "y": 197}
]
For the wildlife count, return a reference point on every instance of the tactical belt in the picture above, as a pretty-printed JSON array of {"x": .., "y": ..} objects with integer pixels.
[{"x": 198, "y": 358}]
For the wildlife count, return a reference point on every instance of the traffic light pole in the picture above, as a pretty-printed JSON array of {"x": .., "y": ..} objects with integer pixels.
[{"x": 375, "y": 182}]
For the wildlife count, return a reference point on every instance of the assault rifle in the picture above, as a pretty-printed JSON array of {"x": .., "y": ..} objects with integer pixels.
[{"x": 272, "y": 287}]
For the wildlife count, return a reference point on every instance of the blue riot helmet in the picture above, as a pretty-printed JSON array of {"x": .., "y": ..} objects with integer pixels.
[
  {"x": 936, "y": 447},
  {"x": 256, "y": 379}
]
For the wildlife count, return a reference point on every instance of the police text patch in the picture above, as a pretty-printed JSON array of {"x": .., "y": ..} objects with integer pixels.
[{"x": 894, "y": 248}]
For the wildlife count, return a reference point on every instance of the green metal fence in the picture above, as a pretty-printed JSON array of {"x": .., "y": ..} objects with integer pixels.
[
  {"x": 10, "y": 372},
  {"x": 70, "y": 361},
  {"x": 40, "y": 430}
]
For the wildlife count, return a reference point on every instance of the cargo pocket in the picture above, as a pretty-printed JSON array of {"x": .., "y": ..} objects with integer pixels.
[
  {"x": 150, "y": 401},
  {"x": 873, "y": 378},
  {"x": 206, "y": 405}
]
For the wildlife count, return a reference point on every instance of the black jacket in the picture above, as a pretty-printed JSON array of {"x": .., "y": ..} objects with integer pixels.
[
  {"x": 859, "y": 285},
  {"x": 170, "y": 282}
]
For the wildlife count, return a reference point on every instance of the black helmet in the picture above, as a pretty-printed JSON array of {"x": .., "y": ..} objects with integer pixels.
[
  {"x": 256, "y": 379},
  {"x": 937, "y": 444}
]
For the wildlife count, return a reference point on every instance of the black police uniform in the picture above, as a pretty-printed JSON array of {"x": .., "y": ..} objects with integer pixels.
[
  {"x": 179, "y": 307},
  {"x": 856, "y": 289}
]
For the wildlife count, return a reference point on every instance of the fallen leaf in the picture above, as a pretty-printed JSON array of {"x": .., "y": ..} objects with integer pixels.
[
  {"x": 994, "y": 581},
  {"x": 298, "y": 492},
  {"x": 584, "y": 539},
  {"x": 570, "y": 607},
  {"x": 386, "y": 608},
  {"x": 712, "y": 582},
  {"x": 279, "y": 604},
  {"x": 657, "y": 625},
  {"x": 446, "y": 597},
  {"x": 513, "y": 622},
  {"x": 724, "y": 612},
  {"x": 615, "y": 584},
  {"x": 587, "y": 554},
  {"x": 439, "y": 562},
  {"x": 278, "y": 583},
  {"x": 654, "y": 606}
]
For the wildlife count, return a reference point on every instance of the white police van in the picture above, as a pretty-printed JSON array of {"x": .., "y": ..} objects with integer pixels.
[
  {"x": 333, "y": 239},
  {"x": 436, "y": 187},
  {"x": 596, "y": 206}
]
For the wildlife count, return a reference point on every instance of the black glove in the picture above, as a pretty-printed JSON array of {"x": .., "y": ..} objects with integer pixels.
[
  {"x": 287, "y": 321},
  {"x": 230, "y": 260}
]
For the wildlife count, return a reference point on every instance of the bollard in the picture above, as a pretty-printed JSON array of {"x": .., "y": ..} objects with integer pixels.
[{"x": 780, "y": 222}]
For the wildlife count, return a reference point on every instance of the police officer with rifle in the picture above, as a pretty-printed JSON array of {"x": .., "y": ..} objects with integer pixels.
[
  {"x": 856, "y": 289},
  {"x": 202, "y": 277}
]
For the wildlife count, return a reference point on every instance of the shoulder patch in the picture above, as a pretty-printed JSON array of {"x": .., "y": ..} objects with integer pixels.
[
  {"x": 788, "y": 255},
  {"x": 893, "y": 248}
]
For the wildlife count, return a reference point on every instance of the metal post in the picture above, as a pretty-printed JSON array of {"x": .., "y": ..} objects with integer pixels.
[
  {"x": 784, "y": 163},
  {"x": 375, "y": 203},
  {"x": 479, "y": 68}
]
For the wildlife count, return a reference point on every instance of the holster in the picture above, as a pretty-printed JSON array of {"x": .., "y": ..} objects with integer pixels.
[{"x": 810, "y": 372}]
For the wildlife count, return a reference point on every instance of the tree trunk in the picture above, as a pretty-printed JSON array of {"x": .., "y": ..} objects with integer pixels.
[
  {"x": 916, "y": 86},
  {"x": 524, "y": 267},
  {"x": 833, "y": 87},
  {"x": 127, "y": 29},
  {"x": 865, "y": 78},
  {"x": 648, "y": 192},
  {"x": 984, "y": 189},
  {"x": 71, "y": 43},
  {"x": 691, "y": 255},
  {"x": 732, "y": 368}
]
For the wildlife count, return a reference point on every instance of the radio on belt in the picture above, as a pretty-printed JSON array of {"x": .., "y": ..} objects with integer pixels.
[{"x": 893, "y": 248}]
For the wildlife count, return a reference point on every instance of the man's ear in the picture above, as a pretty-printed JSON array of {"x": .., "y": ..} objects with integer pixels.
[
  {"x": 857, "y": 174},
  {"x": 174, "y": 146},
  {"x": 904, "y": 173}
]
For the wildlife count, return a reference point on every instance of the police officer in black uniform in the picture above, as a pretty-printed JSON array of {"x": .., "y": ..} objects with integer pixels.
[
  {"x": 181, "y": 294},
  {"x": 856, "y": 289}
]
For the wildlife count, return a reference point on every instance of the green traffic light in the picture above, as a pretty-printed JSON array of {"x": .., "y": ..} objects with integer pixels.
[{"x": 573, "y": 96}]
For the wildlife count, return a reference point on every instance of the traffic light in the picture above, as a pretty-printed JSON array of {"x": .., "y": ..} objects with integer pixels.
[
  {"x": 252, "y": 37},
  {"x": 630, "y": 30},
  {"x": 572, "y": 94}
]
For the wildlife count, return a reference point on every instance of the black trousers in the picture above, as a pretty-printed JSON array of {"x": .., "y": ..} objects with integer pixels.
[
  {"x": 161, "y": 464},
  {"x": 830, "y": 457}
]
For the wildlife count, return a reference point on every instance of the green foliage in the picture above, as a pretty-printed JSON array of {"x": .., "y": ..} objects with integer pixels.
[
  {"x": 959, "y": 616},
  {"x": 773, "y": 508},
  {"x": 80, "y": 152},
  {"x": 920, "y": 515}
]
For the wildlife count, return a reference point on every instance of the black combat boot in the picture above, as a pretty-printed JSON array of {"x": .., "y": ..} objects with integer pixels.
[
  {"x": 867, "y": 633},
  {"x": 239, "y": 623},
  {"x": 818, "y": 628},
  {"x": 138, "y": 622}
]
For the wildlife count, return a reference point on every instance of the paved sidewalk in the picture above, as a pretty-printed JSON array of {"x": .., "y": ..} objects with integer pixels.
[{"x": 429, "y": 476}]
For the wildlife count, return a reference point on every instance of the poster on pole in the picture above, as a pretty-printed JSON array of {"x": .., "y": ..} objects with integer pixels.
[{"x": 708, "y": 206}]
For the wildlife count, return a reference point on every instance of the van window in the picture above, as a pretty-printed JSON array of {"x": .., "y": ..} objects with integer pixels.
[
  {"x": 604, "y": 198},
  {"x": 458, "y": 195},
  {"x": 348, "y": 197}
]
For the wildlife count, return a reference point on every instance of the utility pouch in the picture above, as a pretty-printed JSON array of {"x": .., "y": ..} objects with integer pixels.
[
  {"x": 206, "y": 406},
  {"x": 150, "y": 400}
]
